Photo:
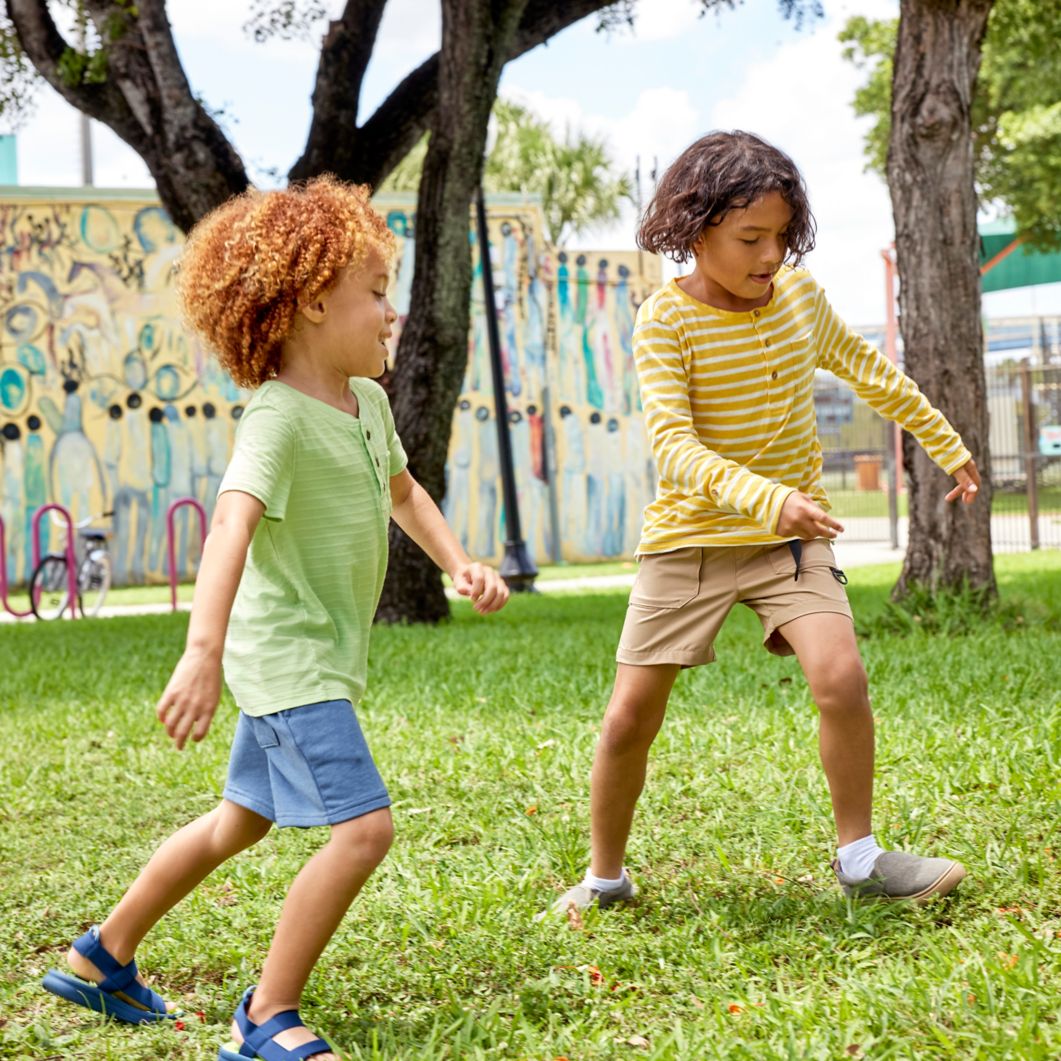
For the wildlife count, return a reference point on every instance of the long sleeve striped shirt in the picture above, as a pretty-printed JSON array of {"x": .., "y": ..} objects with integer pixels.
[{"x": 729, "y": 409}]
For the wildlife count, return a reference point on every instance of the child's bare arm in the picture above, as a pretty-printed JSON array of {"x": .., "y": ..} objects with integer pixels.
[
  {"x": 188, "y": 703},
  {"x": 414, "y": 511}
]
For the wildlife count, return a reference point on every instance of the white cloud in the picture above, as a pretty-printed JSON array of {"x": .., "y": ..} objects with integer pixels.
[
  {"x": 801, "y": 100},
  {"x": 664, "y": 20}
]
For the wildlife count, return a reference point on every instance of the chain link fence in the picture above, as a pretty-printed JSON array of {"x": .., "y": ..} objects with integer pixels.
[{"x": 859, "y": 452}]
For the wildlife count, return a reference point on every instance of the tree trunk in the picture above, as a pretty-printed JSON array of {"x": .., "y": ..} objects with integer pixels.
[
  {"x": 930, "y": 174},
  {"x": 433, "y": 352}
]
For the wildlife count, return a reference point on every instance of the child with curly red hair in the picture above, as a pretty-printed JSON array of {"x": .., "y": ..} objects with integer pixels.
[{"x": 289, "y": 288}]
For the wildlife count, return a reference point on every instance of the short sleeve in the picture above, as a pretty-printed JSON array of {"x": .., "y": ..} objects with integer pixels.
[{"x": 263, "y": 460}]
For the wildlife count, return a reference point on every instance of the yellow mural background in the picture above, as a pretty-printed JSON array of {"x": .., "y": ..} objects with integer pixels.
[{"x": 108, "y": 402}]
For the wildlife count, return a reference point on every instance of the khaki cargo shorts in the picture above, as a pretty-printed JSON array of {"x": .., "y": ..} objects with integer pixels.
[{"x": 680, "y": 599}]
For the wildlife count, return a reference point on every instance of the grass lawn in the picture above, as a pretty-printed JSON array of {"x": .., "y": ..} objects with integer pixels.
[{"x": 739, "y": 947}]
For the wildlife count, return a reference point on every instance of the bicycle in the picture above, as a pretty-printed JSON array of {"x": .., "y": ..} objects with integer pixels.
[{"x": 49, "y": 586}]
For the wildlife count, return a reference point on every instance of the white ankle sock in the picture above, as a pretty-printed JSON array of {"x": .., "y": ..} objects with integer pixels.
[
  {"x": 857, "y": 858},
  {"x": 603, "y": 884}
]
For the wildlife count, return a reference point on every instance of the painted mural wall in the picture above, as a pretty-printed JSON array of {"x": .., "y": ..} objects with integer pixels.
[{"x": 108, "y": 403}]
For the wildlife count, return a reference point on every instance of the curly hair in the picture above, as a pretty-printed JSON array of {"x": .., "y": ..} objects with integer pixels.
[
  {"x": 719, "y": 173},
  {"x": 250, "y": 264}
]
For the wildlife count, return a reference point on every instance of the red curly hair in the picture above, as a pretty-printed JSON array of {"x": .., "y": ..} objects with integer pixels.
[{"x": 250, "y": 264}]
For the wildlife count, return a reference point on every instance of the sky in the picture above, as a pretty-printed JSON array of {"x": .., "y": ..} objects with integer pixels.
[{"x": 649, "y": 92}]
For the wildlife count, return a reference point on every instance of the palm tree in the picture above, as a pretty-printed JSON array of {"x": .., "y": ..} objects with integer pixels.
[{"x": 575, "y": 178}]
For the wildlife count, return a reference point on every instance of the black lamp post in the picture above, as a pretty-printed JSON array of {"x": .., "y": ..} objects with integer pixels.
[{"x": 517, "y": 568}]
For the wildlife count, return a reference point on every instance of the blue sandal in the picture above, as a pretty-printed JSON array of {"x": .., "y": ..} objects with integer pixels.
[
  {"x": 119, "y": 994},
  {"x": 258, "y": 1039}
]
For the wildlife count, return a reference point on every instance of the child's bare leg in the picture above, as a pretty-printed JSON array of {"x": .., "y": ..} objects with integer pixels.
[
  {"x": 184, "y": 860},
  {"x": 315, "y": 905},
  {"x": 828, "y": 653},
  {"x": 631, "y": 722}
]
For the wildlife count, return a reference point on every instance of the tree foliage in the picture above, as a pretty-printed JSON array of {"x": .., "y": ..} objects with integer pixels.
[
  {"x": 575, "y": 178},
  {"x": 1016, "y": 109}
]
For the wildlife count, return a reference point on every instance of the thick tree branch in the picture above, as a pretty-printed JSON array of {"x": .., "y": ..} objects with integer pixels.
[
  {"x": 369, "y": 153},
  {"x": 144, "y": 97},
  {"x": 345, "y": 53}
]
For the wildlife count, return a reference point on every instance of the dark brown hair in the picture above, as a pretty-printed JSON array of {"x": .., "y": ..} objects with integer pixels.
[{"x": 719, "y": 173}]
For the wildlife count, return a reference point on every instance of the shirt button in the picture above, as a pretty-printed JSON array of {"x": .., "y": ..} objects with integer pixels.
[
  {"x": 773, "y": 375},
  {"x": 766, "y": 342},
  {"x": 377, "y": 459},
  {"x": 755, "y": 313},
  {"x": 368, "y": 435}
]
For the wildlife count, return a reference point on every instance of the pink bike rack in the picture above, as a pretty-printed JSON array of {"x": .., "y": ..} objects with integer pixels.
[
  {"x": 71, "y": 558},
  {"x": 171, "y": 549},
  {"x": 3, "y": 577}
]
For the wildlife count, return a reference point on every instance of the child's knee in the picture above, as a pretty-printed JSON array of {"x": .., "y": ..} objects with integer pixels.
[
  {"x": 628, "y": 726},
  {"x": 368, "y": 838},
  {"x": 842, "y": 686}
]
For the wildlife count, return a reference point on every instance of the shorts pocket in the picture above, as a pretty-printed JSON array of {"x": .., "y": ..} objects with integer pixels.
[
  {"x": 667, "y": 580},
  {"x": 265, "y": 735},
  {"x": 815, "y": 553}
]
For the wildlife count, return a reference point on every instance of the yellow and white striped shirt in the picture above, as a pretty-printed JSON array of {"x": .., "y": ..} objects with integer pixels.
[{"x": 729, "y": 409}]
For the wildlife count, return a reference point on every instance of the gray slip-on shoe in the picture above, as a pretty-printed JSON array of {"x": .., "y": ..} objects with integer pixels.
[
  {"x": 900, "y": 875},
  {"x": 582, "y": 897}
]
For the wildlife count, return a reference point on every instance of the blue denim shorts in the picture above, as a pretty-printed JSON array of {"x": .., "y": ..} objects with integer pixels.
[{"x": 305, "y": 766}]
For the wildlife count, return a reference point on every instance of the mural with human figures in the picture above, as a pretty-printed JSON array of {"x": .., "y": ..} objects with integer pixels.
[{"x": 108, "y": 403}]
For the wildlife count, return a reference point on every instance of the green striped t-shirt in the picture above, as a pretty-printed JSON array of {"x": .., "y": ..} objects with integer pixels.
[{"x": 300, "y": 623}]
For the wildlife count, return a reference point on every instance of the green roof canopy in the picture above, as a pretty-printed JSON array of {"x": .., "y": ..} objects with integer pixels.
[{"x": 1014, "y": 264}]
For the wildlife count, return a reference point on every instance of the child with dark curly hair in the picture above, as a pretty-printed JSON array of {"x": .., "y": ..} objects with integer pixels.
[
  {"x": 289, "y": 288},
  {"x": 725, "y": 359}
]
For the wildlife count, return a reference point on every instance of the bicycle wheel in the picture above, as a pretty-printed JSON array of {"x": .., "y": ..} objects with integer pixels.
[
  {"x": 93, "y": 581},
  {"x": 49, "y": 590}
]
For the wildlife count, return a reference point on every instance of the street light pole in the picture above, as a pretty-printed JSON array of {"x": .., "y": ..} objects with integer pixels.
[{"x": 517, "y": 568}]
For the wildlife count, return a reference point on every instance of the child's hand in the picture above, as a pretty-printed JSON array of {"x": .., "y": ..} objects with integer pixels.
[
  {"x": 187, "y": 706},
  {"x": 805, "y": 519},
  {"x": 968, "y": 479},
  {"x": 483, "y": 585}
]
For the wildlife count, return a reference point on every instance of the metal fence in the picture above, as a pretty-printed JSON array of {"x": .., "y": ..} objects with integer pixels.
[{"x": 1024, "y": 405}]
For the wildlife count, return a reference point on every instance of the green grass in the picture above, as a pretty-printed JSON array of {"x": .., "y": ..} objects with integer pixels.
[{"x": 740, "y": 945}]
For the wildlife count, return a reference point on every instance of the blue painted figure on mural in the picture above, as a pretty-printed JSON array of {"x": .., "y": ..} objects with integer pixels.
[
  {"x": 526, "y": 496},
  {"x": 199, "y": 453},
  {"x": 129, "y": 442},
  {"x": 535, "y": 333},
  {"x": 625, "y": 305},
  {"x": 180, "y": 486},
  {"x": 583, "y": 322},
  {"x": 640, "y": 474},
  {"x": 75, "y": 476},
  {"x": 489, "y": 471},
  {"x": 161, "y": 469},
  {"x": 457, "y": 503},
  {"x": 34, "y": 491},
  {"x": 508, "y": 311},
  {"x": 11, "y": 459},
  {"x": 573, "y": 461},
  {"x": 217, "y": 447},
  {"x": 615, "y": 508},
  {"x": 601, "y": 339},
  {"x": 594, "y": 526}
]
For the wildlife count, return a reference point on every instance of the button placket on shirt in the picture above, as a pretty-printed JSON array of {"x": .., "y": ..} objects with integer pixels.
[{"x": 771, "y": 373}]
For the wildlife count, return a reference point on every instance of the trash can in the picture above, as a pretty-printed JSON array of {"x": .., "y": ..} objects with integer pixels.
[{"x": 867, "y": 471}]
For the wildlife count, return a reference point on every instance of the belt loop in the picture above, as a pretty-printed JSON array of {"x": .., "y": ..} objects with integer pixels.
[{"x": 796, "y": 547}]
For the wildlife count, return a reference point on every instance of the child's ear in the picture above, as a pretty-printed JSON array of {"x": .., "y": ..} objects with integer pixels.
[{"x": 314, "y": 311}]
